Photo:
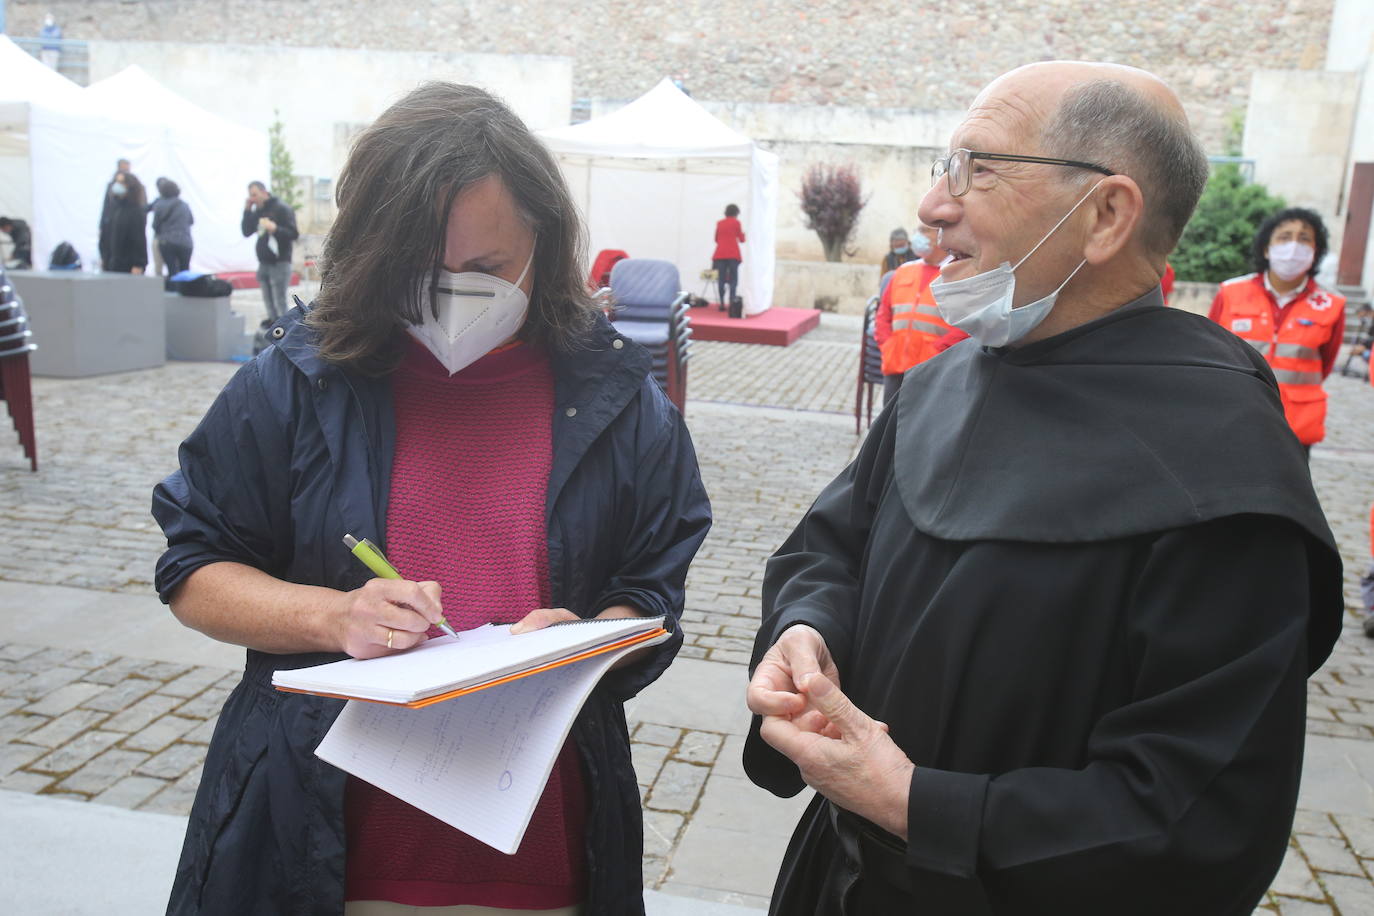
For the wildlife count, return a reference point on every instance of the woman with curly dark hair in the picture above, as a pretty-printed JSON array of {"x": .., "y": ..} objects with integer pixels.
[
  {"x": 1283, "y": 312},
  {"x": 124, "y": 238},
  {"x": 454, "y": 396}
]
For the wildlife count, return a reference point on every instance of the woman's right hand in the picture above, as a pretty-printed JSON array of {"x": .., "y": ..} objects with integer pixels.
[{"x": 382, "y": 611}]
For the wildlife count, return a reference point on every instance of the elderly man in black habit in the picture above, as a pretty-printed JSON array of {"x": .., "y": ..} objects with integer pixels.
[{"x": 1042, "y": 648}]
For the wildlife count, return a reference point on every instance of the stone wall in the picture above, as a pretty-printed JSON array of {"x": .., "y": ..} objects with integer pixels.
[{"x": 818, "y": 52}]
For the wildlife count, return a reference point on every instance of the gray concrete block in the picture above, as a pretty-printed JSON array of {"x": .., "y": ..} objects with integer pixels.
[
  {"x": 204, "y": 329},
  {"x": 93, "y": 324},
  {"x": 102, "y": 772}
]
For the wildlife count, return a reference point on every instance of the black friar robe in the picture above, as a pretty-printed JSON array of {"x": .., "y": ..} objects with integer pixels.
[{"x": 1084, "y": 582}]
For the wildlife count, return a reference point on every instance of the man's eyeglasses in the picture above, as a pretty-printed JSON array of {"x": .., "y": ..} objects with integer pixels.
[{"x": 957, "y": 167}]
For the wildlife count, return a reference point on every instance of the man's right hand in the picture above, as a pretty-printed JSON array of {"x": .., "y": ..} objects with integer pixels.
[
  {"x": 775, "y": 688},
  {"x": 388, "y": 610}
]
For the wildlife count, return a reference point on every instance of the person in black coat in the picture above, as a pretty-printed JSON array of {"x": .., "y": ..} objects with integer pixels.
[
  {"x": 21, "y": 257},
  {"x": 124, "y": 237}
]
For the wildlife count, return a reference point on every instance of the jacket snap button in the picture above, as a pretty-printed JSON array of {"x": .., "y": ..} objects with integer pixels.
[
  {"x": 278, "y": 333},
  {"x": 618, "y": 343},
  {"x": 571, "y": 411},
  {"x": 323, "y": 384}
]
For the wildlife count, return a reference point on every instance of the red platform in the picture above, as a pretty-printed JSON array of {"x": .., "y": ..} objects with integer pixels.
[
  {"x": 776, "y": 327},
  {"x": 248, "y": 279}
]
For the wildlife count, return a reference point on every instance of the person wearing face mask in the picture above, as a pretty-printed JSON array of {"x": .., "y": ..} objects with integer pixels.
[
  {"x": 907, "y": 323},
  {"x": 1043, "y": 646},
  {"x": 1281, "y": 311},
  {"x": 454, "y": 395},
  {"x": 899, "y": 250},
  {"x": 124, "y": 233}
]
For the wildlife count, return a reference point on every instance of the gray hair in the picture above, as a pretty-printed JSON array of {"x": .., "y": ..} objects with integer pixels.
[{"x": 1110, "y": 124}]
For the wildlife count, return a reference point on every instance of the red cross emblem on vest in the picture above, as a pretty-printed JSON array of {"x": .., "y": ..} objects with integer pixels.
[{"x": 1320, "y": 301}]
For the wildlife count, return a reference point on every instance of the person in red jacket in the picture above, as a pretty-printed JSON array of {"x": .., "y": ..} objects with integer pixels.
[
  {"x": 1282, "y": 312},
  {"x": 726, "y": 258},
  {"x": 907, "y": 323}
]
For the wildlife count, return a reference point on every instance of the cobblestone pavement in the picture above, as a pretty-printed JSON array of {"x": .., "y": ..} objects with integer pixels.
[{"x": 771, "y": 425}]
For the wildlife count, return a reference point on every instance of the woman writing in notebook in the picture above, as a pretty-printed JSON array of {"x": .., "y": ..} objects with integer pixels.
[{"x": 454, "y": 396}]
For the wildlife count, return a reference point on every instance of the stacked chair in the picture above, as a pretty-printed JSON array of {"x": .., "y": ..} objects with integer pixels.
[
  {"x": 650, "y": 308},
  {"x": 15, "y": 346},
  {"x": 870, "y": 365}
]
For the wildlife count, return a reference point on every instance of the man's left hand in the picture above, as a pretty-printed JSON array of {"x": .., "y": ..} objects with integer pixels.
[
  {"x": 267, "y": 224},
  {"x": 845, "y": 755}
]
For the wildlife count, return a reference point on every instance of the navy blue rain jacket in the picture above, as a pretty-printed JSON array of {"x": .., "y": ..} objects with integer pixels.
[{"x": 294, "y": 454}]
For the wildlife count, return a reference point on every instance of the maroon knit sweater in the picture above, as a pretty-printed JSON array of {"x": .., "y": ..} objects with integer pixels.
[{"x": 468, "y": 484}]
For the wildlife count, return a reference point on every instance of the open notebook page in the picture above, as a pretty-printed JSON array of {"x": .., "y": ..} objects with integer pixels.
[
  {"x": 478, "y": 762},
  {"x": 445, "y": 663}
]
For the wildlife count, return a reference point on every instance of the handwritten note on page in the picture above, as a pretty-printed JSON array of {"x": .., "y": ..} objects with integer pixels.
[{"x": 478, "y": 762}]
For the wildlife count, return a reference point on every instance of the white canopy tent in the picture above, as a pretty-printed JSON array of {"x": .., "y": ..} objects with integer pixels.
[
  {"x": 71, "y": 141},
  {"x": 26, "y": 82},
  {"x": 654, "y": 177}
]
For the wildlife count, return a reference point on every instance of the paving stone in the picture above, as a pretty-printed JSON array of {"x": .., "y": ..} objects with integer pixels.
[
  {"x": 1359, "y": 833},
  {"x": 177, "y": 797},
  {"x": 102, "y": 772},
  {"x": 76, "y": 752},
  {"x": 130, "y": 792},
  {"x": 205, "y": 706},
  {"x": 90, "y": 660},
  {"x": 202, "y": 733},
  {"x": 647, "y": 758},
  {"x": 160, "y": 733},
  {"x": 1290, "y": 906},
  {"x": 62, "y": 729},
  {"x": 661, "y": 829},
  {"x": 173, "y": 762},
  {"x": 162, "y": 671},
  {"x": 44, "y": 682},
  {"x": 141, "y": 713},
  {"x": 1295, "y": 879},
  {"x": 1326, "y": 854},
  {"x": 1349, "y": 894},
  {"x": 14, "y": 756},
  {"x": 192, "y": 682},
  {"x": 121, "y": 695},
  {"x": 1317, "y": 823},
  {"x": 25, "y": 781},
  {"x": 678, "y": 787},
  {"x": 698, "y": 747},
  {"x": 64, "y": 698},
  {"x": 13, "y": 652},
  {"x": 114, "y": 672},
  {"x": 649, "y": 733}
]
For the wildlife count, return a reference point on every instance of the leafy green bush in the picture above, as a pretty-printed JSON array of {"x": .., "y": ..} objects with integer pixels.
[
  {"x": 283, "y": 168},
  {"x": 1216, "y": 244}
]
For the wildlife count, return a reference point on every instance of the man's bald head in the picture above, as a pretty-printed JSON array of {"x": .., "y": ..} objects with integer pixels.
[{"x": 1119, "y": 117}]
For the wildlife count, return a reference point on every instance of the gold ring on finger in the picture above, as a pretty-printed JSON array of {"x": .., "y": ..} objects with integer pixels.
[{"x": 390, "y": 635}]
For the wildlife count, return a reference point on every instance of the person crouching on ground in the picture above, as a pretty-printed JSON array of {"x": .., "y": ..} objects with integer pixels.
[{"x": 455, "y": 396}]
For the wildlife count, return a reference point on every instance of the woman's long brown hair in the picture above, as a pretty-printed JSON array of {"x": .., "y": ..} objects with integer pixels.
[{"x": 394, "y": 195}]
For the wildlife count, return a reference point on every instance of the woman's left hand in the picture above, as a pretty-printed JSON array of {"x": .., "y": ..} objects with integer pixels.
[
  {"x": 135, "y": 270},
  {"x": 547, "y": 616}
]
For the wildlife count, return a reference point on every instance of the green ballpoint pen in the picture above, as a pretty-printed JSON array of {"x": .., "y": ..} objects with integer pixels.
[{"x": 372, "y": 558}]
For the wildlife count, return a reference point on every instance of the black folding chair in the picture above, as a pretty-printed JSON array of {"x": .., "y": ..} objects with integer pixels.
[{"x": 870, "y": 365}]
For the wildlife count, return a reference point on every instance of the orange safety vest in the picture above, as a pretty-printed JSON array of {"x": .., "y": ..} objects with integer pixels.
[
  {"x": 916, "y": 322},
  {"x": 1292, "y": 349}
]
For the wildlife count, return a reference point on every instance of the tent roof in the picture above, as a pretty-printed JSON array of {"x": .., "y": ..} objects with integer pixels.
[
  {"x": 136, "y": 95},
  {"x": 27, "y": 80},
  {"x": 664, "y": 123}
]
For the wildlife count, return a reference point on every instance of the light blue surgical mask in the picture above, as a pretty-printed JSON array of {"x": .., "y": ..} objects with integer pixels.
[
  {"x": 981, "y": 305},
  {"x": 119, "y": 190},
  {"x": 920, "y": 244}
]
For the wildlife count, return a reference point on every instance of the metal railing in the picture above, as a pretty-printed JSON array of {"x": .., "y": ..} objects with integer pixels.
[{"x": 73, "y": 57}]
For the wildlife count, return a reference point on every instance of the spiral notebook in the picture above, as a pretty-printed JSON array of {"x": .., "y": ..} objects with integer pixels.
[
  {"x": 468, "y": 729},
  {"x": 447, "y": 667}
]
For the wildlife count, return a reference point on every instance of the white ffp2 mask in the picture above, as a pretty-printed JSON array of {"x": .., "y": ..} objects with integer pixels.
[
  {"x": 477, "y": 312},
  {"x": 982, "y": 305}
]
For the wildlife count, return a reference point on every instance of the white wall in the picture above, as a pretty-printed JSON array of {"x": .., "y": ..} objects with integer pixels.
[
  {"x": 316, "y": 89},
  {"x": 1297, "y": 129}
]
